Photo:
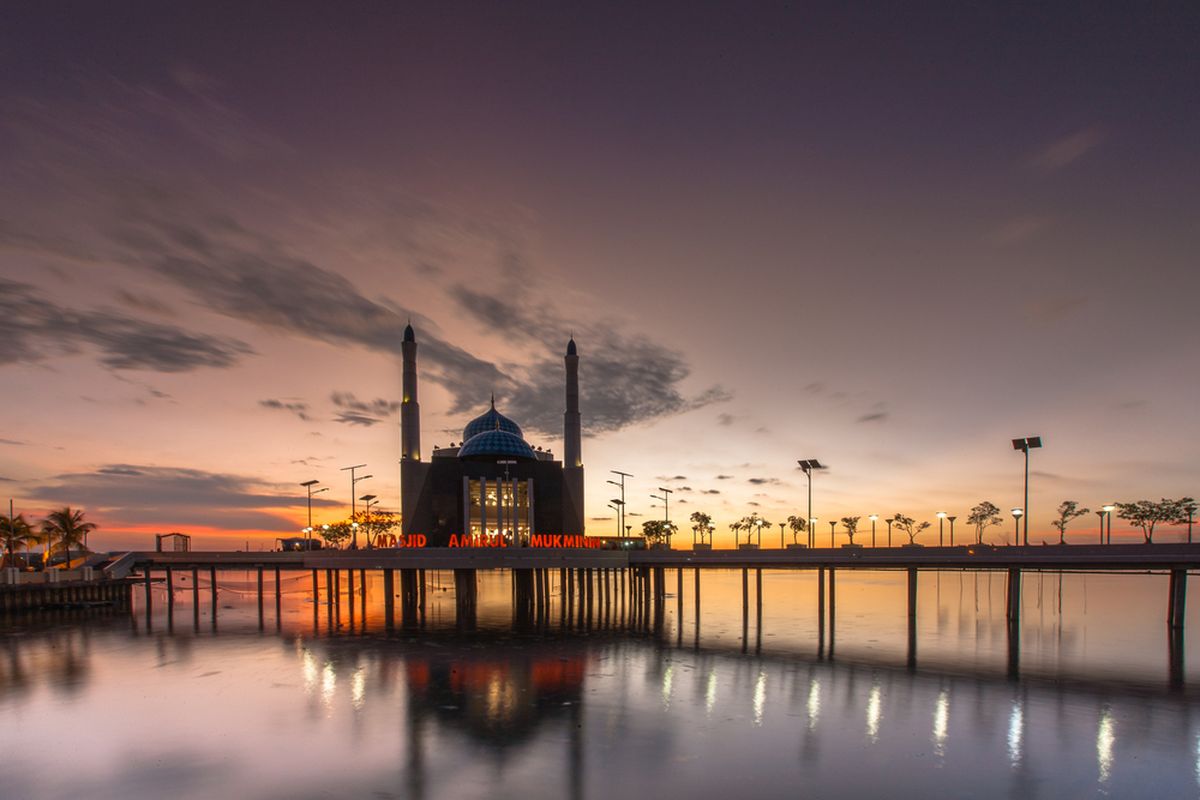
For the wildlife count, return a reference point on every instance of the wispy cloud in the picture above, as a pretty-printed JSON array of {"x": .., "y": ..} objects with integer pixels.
[
  {"x": 363, "y": 413},
  {"x": 299, "y": 408},
  {"x": 1064, "y": 151}
]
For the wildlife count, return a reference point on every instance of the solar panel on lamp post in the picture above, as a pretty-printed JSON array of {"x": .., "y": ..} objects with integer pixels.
[{"x": 1025, "y": 445}]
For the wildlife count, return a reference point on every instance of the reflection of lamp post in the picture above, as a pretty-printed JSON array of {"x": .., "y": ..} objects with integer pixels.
[
  {"x": 1017, "y": 514},
  {"x": 889, "y": 522},
  {"x": 1108, "y": 509},
  {"x": 873, "y": 517},
  {"x": 952, "y": 518},
  {"x": 808, "y": 465},
  {"x": 1025, "y": 445},
  {"x": 832, "y": 526},
  {"x": 941, "y": 515}
]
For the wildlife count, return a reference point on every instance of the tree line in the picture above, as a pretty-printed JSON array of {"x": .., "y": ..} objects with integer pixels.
[{"x": 61, "y": 531}]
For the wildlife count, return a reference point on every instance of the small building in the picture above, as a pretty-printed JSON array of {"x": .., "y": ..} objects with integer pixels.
[{"x": 173, "y": 542}]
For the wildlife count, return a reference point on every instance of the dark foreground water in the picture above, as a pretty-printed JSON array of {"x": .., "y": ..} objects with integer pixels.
[{"x": 103, "y": 705}]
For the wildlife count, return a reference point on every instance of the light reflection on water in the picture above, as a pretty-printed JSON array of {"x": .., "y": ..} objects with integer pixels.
[{"x": 352, "y": 710}]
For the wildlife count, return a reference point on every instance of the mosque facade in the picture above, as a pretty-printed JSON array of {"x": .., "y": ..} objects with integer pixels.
[{"x": 493, "y": 485}]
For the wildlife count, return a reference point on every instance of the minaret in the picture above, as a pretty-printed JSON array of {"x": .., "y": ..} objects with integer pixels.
[
  {"x": 572, "y": 450},
  {"x": 572, "y": 457},
  {"x": 410, "y": 409}
]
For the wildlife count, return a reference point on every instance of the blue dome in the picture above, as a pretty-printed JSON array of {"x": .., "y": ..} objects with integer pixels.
[
  {"x": 498, "y": 443},
  {"x": 491, "y": 420}
]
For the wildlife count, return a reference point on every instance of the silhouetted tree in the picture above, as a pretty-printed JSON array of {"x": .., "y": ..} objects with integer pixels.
[
  {"x": 851, "y": 525},
  {"x": 15, "y": 532},
  {"x": 983, "y": 516},
  {"x": 798, "y": 525},
  {"x": 335, "y": 533},
  {"x": 702, "y": 525},
  {"x": 1146, "y": 514},
  {"x": 909, "y": 526},
  {"x": 735, "y": 526},
  {"x": 656, "y": 531},
  {"x": 1067, "y": 511},
  {"x": 68, "y": 527}
]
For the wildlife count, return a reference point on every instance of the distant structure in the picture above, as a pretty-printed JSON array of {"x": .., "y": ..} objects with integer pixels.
[
  {"x": 174, "y": 542},
  {"x": 492, "y": 484}
]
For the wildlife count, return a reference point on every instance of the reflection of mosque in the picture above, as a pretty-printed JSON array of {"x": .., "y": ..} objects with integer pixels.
[{"x": 494, "y": 483}]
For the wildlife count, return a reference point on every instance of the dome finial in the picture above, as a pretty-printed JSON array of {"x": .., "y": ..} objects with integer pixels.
[
  {"x": 571, "y": 345},
  {"x": 493, "y": 401}
]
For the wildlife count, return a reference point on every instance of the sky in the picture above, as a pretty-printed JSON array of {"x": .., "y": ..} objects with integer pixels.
[{"x": 888, "y": 236}]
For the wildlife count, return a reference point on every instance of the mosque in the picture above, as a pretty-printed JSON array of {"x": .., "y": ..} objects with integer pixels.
[{"x": 494, "y": 483}]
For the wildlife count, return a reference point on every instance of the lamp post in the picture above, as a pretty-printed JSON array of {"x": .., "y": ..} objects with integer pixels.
[
  {"x": 1190, "y": 510},
  {"x": 1017, "y": 514},
  {"x": 952, "y": 518},
  {"x": 873, "y": 518},
  {"x": 1108, "y": 508},
  {"x": 1025, "y": 445},
  {"x": 832, "y": 526},
  {"x": 807, "y": 465},
  {"x": 666, "y": 500},
  {"x": 354, "y": 482},
  {"x": 889, "y": 522},
  {"x": 1101, "y": 514},
  {"x": 368, "y": 499},
  {"x": 308, "y": 485},
  {"x": 941, "y": 515},
  {"x": 782, "y": 525},
  {"x": 812, "y": 531},
  {"x": 621, "y": 485},
  {"x": 615, "y": 505}
]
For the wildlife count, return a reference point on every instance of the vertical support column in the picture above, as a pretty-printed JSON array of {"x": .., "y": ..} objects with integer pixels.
[
  {"x": 464, "y": 598},
  {"x": 260, "y": 598},
  {"x": 820, "y": 612},
  {"x": 832, "y": 608},
  {"x": 912, "y": 618},
  {"x": 389, "y": 599},
  {"x": 1177, "y": 599},
  {"x": 278, "y": 600},
  {"x": 316, "y": 604},
  {"x": 745, "y": 607},
  {"x": 171, "y": 596},
  {"x": 195, "y": 597},
  {"x": 212, "y": 591},
  {"x": 149, "y": 601},
  {"x": 1013, "y": 613},
  {"x": 1013, "y": 602}
]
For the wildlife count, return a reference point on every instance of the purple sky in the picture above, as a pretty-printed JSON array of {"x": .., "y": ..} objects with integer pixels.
[{"x": 890, "y": 239}]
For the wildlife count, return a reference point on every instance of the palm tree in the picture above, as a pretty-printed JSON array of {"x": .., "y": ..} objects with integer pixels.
[
  {"x": 15, "y": 531},
  {"x": 68, "y": 527}
]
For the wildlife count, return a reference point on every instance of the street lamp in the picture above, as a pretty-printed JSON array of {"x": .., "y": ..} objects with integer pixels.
[
  {"x": 952, "y": 518},
  {"x": 615, "y": 506},
  {"x": 889, "y": 522},
  {"x": 1025, "y": 445},
  {"x": 1101, "y": 514},
  {"x": 808, "y": 465},
  {"x": 353, "y": 483},
  {"x": 368, "y": 499},
  {"x": 308, "y": 485},
  {"x": 623, "y": 475},
  {"x": 1108, "y": 509},
  {"x": 1017, "y": 514},
  {"x": 873, "y": 518},
  {"x": 782, "y": 525},
  {"x": 832, "y": 526},
  {"x": 941, "y": 515},
  {"x": 812, "y": 531}
]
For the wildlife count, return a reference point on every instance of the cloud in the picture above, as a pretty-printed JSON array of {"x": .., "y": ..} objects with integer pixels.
[
  {"x": 365, "y": 413},
  {"x": 35, "y": 328},
  {"x": 625, "y": 379},
  {"x": 724, "y": 477},
  {"x": 300, "y": 409},
  {"x": 602, "y": 519},
  {"x": 1069, "y": 149},
  {"x": 763, "y": 481},
  {"x": 725, "y": 420},
  {"x": 13, "y": 442},
  {"x": 3, "y": 479},
  {"x": 683, "y": 488},
  {"x": 710, "y": 491},
  {"x": 665, "y": 478},
  {"x": 875, "y": 416},
  {"x": 176, "y": 497}
]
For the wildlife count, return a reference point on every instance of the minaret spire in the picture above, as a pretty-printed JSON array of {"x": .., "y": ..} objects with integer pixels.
[
  {"x": 572, "y": 435},
  {"x": 410, "y": 410}
]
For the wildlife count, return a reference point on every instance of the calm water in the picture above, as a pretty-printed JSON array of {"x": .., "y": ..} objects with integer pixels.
[{"x": 102, "y": 705}]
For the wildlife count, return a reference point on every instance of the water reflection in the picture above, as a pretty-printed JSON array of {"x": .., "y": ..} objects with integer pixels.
[{"x": 563, "y": 711}]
